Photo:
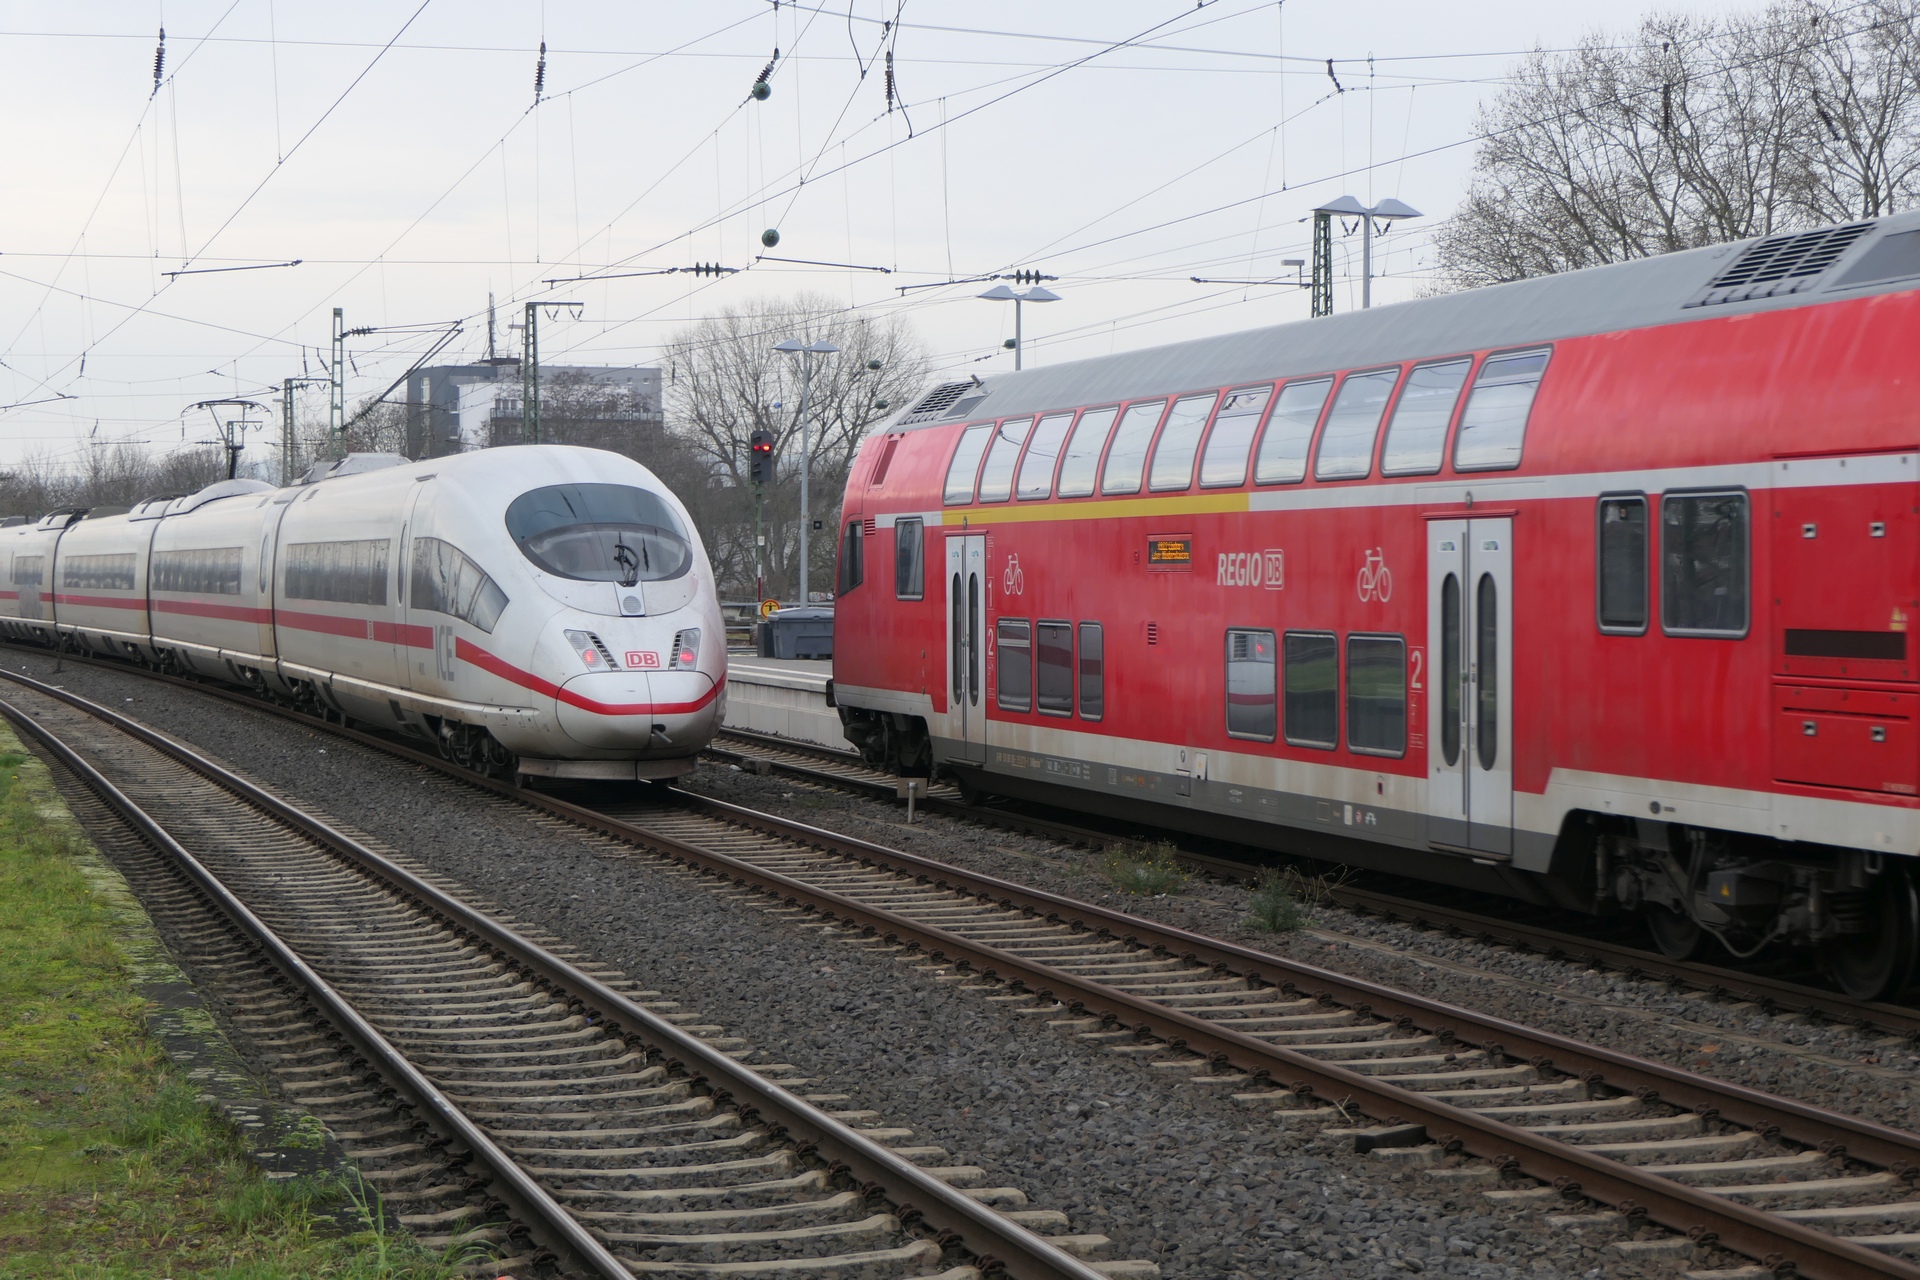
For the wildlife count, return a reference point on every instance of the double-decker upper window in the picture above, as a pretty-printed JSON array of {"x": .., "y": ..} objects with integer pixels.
[
  {"x": 1082, "y": 463},
  {"x": 1493, "y": 427},
  {"x": 1179, "y": 440},
  {"x": 996, "y": 477},
  {"x": 1043, "y": 451},
  {"x": 1417, "y": 436},
  {"x": 1346, "y": 445},
  {"x": 1127, "y": 456},
  {"x": 1225, "y": 462},
  {"x": 966, "y": 463},
  {"x": 1283, "y": 449}
]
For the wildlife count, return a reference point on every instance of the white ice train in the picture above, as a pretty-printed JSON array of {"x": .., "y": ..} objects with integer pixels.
[{"x": 543, "y": 609}]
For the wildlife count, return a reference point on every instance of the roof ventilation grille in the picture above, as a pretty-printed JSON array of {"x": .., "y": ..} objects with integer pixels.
[
  {"x": 1780, "y": 265},
  {"x": 940, "y": 402}
]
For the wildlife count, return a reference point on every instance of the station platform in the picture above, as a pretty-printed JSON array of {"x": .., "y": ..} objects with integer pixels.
[{"x": 783, "y": 696}]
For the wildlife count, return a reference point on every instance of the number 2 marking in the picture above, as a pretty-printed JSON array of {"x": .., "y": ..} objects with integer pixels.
[{"x": 1419, "y": 664}]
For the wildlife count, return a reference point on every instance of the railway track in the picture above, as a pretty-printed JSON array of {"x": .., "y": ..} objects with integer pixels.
[
  {"x": 498, "y": 1090},
  {"x": 1612, "y": 1141},
  {"x": 826, "y": 767}
]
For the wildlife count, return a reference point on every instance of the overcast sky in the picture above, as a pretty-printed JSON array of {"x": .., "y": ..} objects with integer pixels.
[{"x": 396, "y": 150}]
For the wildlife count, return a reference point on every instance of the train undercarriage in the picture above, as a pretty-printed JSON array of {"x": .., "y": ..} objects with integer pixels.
[{"x": 1703, "y": 894}]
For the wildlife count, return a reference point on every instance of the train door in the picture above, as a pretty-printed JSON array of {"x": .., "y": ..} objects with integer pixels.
[
  {"x": 1470, "y": 715},
  {"x": 966, "y": 643},
  {"x": 411, "y": 640}
]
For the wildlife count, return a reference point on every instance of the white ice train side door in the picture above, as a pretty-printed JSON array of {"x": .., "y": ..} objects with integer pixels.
[
  {"x": 966, "y": 644},
  {"x": 414, "y": 651},
  {"x": 1470, "y": 712}
]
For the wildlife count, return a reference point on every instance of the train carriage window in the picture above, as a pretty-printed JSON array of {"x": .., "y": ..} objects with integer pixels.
[
  {"x": 1703, "y": 564},
  {"x": 353, "y": 572},
  {"x": 1417, "y": 436},
  {"x": 1622, "y": 564},
  {"x": 113, "y": 572},
  {"x": 1053, "y": 654},
  {"x": 600, "y": 533},
  {"x": 1082, "y": 463},
  {"x": 1283, "y": 449},
  {"x": 1312, "y": 689},
  {"x": 1486, "y": 659},
  {"x": 966, "y": 463},
  {"x": 445, "y": 580},
  {"x": 996, "y": 477},
  {"x": 1127, "y": 458},
  {"x": 1346, "y": 445},
  {"x": 1014, "y": 680},
  {"x": 1251, "y": 687},
  {"x": 853, "y": 569},
  {"x": 1179, "y": 440},
  {"x": 206, "y": 571},
  {"x": 1043, "y": 451},
  {"x": 909, "y": 559},
  {"x": 1225, "y": 461},
  {"x": 1494, "y": 426},
  {"x": 1093, "y": 672},
  {"x": 1377, "y": 695},
  {"x": 29, "y": 571},
  {"x": 1450, "y": 673}
]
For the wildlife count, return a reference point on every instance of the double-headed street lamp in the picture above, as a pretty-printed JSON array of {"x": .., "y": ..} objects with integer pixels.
[
  {"x": 1388, "y": 210},
  {"x": 806, "y": 352},
  {"x": 1000, "y": 293}
]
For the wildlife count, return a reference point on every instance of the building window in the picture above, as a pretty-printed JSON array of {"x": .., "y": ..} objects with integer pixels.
[
  {"x": 1313, "y": 689},
  {"x": 1622, "y": 567},
  {"x": 966, "y": 463},
  {"x": 98, "y": 573},
  {"x": 909, "y": 559},
  {"x": 1053, "y": 653},
  {"x": 1014, "y": 637},
  {"x": 203, "y": 571},
  {"x": 445, "y": 581},
  {"x": 340, "y": 572},
  {"x": 852, "y": 571},
  {"x": 1703, "y": 558},
  {"x": 1093, "y": 672},
  {"x": 1251, "y": 708},
  {"x": 1494, "y": 426},
  {"x": 1377, "y": 695},
  {"x": 1346, "y": 446}
]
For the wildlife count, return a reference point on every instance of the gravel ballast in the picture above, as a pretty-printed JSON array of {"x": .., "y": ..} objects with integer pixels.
[{"x": 1171, "y": 1172}]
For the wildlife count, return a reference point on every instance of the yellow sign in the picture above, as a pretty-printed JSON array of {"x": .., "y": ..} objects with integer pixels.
[{"x": 768, "y": 606}]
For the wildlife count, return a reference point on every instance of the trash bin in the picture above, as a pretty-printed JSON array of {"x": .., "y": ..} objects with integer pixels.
[{"x": 805, "y": 631}]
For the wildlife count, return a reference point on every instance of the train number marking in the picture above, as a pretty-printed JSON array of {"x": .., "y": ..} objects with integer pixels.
[
  {"x": 1376, "y": 580},
  {"x": 642, "y": 658},
  {"x": 1418, "y": 658},
  {"x": 1266, "y": 569}
]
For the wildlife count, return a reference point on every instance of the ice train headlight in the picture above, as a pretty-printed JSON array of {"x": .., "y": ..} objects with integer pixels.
[
  {"x": 686, "y": 650},
  {"x": 592, "y": 649}
]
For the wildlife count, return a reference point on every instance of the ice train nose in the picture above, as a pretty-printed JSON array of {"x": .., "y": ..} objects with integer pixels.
[{"x": 633, "y": 711}]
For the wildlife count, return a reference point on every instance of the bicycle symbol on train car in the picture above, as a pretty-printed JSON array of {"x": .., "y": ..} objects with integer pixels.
[
  {"x": 1013, "y": 580},
  {"x": 1376, "y": 580}
]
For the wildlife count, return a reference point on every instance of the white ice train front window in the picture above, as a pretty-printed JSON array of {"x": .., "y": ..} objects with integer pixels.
[
  {"x": 445, "y": 581},
  {"x": 600, "y": 533}
]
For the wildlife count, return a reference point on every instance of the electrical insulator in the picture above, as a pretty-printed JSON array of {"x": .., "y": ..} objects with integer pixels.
[{"x": 770, "y": 237}]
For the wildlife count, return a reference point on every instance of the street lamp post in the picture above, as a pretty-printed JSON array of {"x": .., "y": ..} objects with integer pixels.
[
  {"x": 1388, "y": 210},
  {"x": 806, "y": 352},
  {"x": 1000, "y": 293}
]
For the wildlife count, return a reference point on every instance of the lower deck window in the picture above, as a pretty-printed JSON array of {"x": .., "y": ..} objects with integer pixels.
[
  {"x": 1014, "y": 637},
  {"x": 1054, "y": 662},
  {"x": 1313, "y": 689},
  {"x": 1251, "y": 687},
  {"x": 1377, "y": 695},
  {"x": 1703, "y": 564}
]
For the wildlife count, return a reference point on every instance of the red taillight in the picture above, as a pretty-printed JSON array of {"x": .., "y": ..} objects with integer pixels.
[{"x": 687, "y": 657}]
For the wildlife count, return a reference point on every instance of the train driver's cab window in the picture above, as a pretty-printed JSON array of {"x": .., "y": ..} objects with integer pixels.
[
  {"x": 966, "y": 463},
  {"x": 1346, "y": 446},
  {"x": 1093, "y": 672},
  {"x": 1377, "y": 695},
  {"x": 996, "y": 478},
  {"x": 1251, "y": 686},
  {"x": 852, "y": 553},
  {"x": 1312, "y": 673},
  {"x": 909, "y": 559},
  {"x": 1043, "y": 451},
  {"x": 1014, "y": 640},
  {"x": 1082, "y": 463},
  {"x": 1224, "y": 464},
  {"x": 1494, "y": 426},
  {"x": 1622, "y": 564},
  {"x": 1127, "y": 457},
  {"x": 1179, "y": 440},
  {"x": 1703, "y": 564},
  {"x": 1283, "y": 449},
  {"x": 1053, "y": 661},
  {"x": 1417, "y": 436}
]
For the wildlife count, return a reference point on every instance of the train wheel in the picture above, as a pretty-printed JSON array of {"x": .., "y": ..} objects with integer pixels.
[
  {"x": 1678, "y": 937},
  {"x": 1875, "y": 965}
]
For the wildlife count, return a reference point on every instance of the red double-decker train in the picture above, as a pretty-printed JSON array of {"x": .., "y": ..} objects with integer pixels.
[{"x": 1595, "y": 590}]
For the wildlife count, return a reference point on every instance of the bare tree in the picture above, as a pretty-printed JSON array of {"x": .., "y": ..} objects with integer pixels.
[
  {"x": 107, "y": 475},
  {"x": 725, "y": 382},
  {"x": 1693, "y": 132}
]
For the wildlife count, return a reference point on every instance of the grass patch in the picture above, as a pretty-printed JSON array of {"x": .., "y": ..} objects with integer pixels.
[
  {"x": 1148, "y": 871},
  {"x": 110, "y": 1167},
  {"x": 1283, "y": 898}
]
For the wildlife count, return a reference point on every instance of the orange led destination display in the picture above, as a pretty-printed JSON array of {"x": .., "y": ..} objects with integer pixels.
[{"x": 1170, "y": 552}]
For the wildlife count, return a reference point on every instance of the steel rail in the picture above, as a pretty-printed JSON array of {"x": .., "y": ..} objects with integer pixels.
[
  {"x": 916, "y": 1193},
  {"x": 1774, "y": 992},
  {"x": 1699, "y": 1215}
]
